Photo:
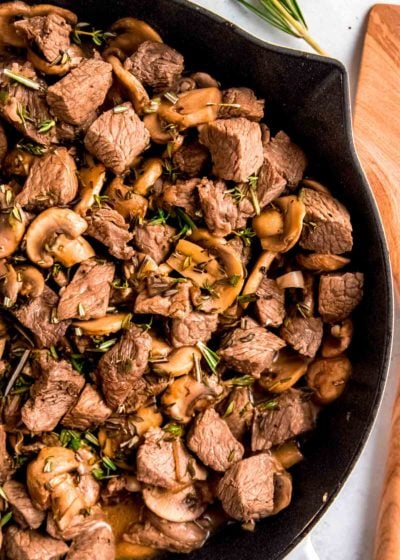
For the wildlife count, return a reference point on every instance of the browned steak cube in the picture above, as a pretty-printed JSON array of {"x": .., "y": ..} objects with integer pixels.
[
  {"x": 212, "y": 441},
  {"x": 288, "y": 416},
  {"x": 218, "y": 207},
  {"x": 191, "y": 159},
  {"x": 286, "y": 158},
  {"x": 88, "y": 412},
  {"x": 237, "y": 411},
  {"x": 50, "y": 34},
  {"x": 250, "y": 350},
  {"x": 155, "y": 240},
  {"x": 235, "y": 146},
  {"x": 109, "y": 227},
  {"x": 75, "y": 97},
  {"x": 303, "y": 333},
  {"x": 327, "y": 227},
  {"x": 248, "y": 107},
  {"x": 156, "y": 65},
  {"x": 183, "y": 194},
  {"x": 193, "y": 328},
  {"x": 52, "y": 395},
  {"x": 174, "y": 302},
  {"x": 165, "y": 462},
  {"x": 23, "y": 510},
  {"x": 52, "y": 181},
  {"x": 20, "y": 544},
  {"x": 97, "y": 541},
  {"x": 270, "y": 305},
  {"x": 339, "y": 295},
  {"x": 116, "y": 139}
]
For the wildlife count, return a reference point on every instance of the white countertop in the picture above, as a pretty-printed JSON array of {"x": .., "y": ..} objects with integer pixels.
[{"x": 346, "y": 532}]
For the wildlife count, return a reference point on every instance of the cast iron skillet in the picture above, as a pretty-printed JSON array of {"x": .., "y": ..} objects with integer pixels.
[{"x": 307, "y": 96}]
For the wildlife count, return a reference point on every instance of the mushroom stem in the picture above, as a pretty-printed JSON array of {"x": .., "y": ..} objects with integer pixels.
[
  {"x": 137, "y": 94},
  {"x": 254, "y": 280}
]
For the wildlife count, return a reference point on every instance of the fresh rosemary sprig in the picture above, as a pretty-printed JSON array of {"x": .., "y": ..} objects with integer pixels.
[
  {"x": 245, "y": 235},
  {"x": 27, "y": 82},
  {"x": 98, "y": 36},
  {"x": 159, "y": 218},
  {"x": 209, "y": 355},
  {"x": 285, "y": 15},
  {"x": 45, "y": 126}
]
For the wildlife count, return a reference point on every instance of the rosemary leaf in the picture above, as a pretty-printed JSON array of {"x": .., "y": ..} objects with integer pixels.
[
  {"x": 27, "y": 82},
  {"x": 209, "y": 355}
]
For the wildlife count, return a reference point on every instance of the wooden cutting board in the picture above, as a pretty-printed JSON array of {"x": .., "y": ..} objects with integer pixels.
[
  {"x": 377, "y": 134},
  {"x": 377, "y": 120}
]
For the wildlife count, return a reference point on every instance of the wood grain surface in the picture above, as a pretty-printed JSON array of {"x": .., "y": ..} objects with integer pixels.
[{"x": 377, "y": 134}]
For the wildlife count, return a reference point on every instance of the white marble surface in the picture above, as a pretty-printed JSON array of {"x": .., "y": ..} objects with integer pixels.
[{"x": 346, "y": 532}]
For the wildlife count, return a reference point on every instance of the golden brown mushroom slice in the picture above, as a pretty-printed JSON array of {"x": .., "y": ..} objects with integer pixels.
[
  {"x": 293, "y": 212},
  {"x": 180, "y": 361},
  {"x": 55, "y": 235},
  {"x": 253, "y": 281},
  {"x": 71, "y": 58},
  {"x": 9, "y": 284},
  {"x": 321, "y": 262},
  {"x": 12, "y": 229},
  {"x": 125, "y": 201},
  {"x": 91, "y": 178},
  {"x": 31, "y": 279},
  {"x": 192, "y": 108},
  {"x": 9, "y": 11},
  {"x": 288, "y": 454},
  {"x": 338, "y": 339},
  {"x": 195, "y": 262},
  {"x": 18, "y": 162},
  {"x": 135, "y": 90},
  {"x": 151, "y": 171},
  {"x": 186, "y": 504},
  {"x": 328, "y": 377},
  {"x": 131, "y": 33},
  {"x": 108, "y": 324},
  {"x": 286, "y": 370}
]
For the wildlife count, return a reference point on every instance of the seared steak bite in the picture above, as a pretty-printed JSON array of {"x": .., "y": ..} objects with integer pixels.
[
  {"x": 270, "y": 183},
  {"x": 195, "y": 327},
  {"x": 270, "y": 305},
  {"x": 183, "y": 194},
  {"x": 50, "y": 34},
  {"x": 254, "y": 487},
  {"x": 237, "y": 411},
  {"x": 327, "y": 227},
  {"x": 109, "y": 227},
  {"x": 286, "y": 157},
  {"x": 20, "y": 544},
  {"x": 289, "y": 415},
  {"x": 156, "y": 65},
  {"x": 154, "y": 240},
  {"x": 126, "y": 361},
  {"x": 235, "y": 146},
  {"x": 77, "y": 95},
  {"x": 117, "y": 138},
  {"x": 250, "y": 350},
  {"x": 143, "y": 391},
  {"x": 52, "y": 395},
  {"x": 88, "y": 293},
  {"x": 164, "y": 461},
  {"x": 52, "y": 181},
  {"x": 339, "y": 295},
  {"x": 88, "y": 412},
  {"x": 248, "y": 105},
  {"x": 38, "y": 316},
  {"x": 190, "y": 159},
  {"x": 212, "y": 441},
  {"x": 96, "y": 542},
  {"x": 218, "y": 207},
  {"x": 303, "y": 333},
  {"x": 174, "y": 302},
  {"x": 24, "y": 512},
  {"x": 159, "y": 533}
]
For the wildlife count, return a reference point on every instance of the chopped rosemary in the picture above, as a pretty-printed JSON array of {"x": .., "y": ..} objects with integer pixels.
[
  {"x": 245, "y": 235},
  {"x": 160, "y": 218},
  {"x": 229, "y": 409},
  {"x": 109, "y": 464},
  {"x": 234, "y": 280},
  {"x": 243, "y": 381},
  {"x": 81, "y": 310},
  {"x": 46, "y": 126},
  {"x": 303, "y": 309},
  {"x": 171, "y": 97},
  {"x": 53, "y": 352},
  {"x": 98, "y": 36},
  {"x": 152, "y": 106},
  {"x": 48, "y": 465},
  {"x": 209, "y": 355},
  {"x": 27, "y": 82},
  {"x": 61, "y": 59},
  {"x": 231, "y": 456},
  {"x": 252, "y": 182},
  {"x": 247, "y": 298},
  {"x": 176, "y": 430},
  {"x": 5, "y": 518},
  {"x": 100, "y": 198},
  {"x": 31, "y": 148},
  {"x": 104, "y": 346},
  {"x": 187, "y": 261},
  {"x": 91, "y": 438},
  {"x": 3, "y": 494},
  {"x": 71, "y": 439},
  {"x": 268, "y": 405},
  {"x": 16, "y": 213},
  {"x": 120, "y": 109}
]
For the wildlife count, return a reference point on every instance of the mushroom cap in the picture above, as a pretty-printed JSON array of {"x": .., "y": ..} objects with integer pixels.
[
  {"x": 92, "y": 178},
  {"x": 44, "y": 230},
  {"x": 193, "y": 108},
  {"x": 125, "y": 201},
  {"x": 111, "y": 323},
  {"x": 327, "y": 377},
  {"x": 10, "y": 284},
  {"x": 321, "y": 261},
  {"x": 132, "y": 33},
  {"x": 180, "y": 361},
  {"x": 32, "y": 281},
  {"x": 12, "y": 229},
  {"x": 179, "y": 506}
]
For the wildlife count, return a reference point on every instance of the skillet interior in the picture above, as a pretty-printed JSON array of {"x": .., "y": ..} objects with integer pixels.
[{"x": 308, "y": 97}]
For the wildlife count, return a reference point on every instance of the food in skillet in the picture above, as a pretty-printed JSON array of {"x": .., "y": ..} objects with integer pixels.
[{"x": 176, "y": 295}]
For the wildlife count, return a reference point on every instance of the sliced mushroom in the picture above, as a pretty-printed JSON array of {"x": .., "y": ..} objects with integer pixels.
[
  {"x": 254, "y": 280},
  {"x": 186, "y": 504},
  {"x": 327, "y": 377},
  {"x": 74, "y": 56},
  {"x": 51, "y": 462},
  {"x": 92, "y": 178},
  {"x": 10, "y": 10},
  {"x": 159, "y": 348},
  {"x": 145, "y": 418},
  {"x": 316, "y": 186},
  {"x": 322, "y": 262},
  {"x": 152, "y": 169},
  {"x": 180, "y": 361},
  {"x": 195, "y": 107},
  {"x": 126, "y": 202},
  {"x": 108, "y": 324},
  {"x": 132, "y": 33},
  {"x": 287, "y": 369},
  {"x": 159, "y": 133},
  {"x": 32, "y": 281},
  {"x": 9, "y": 284},
  {"x": 293, "y": 212},
  {"x": 136, "y": 92},
  {"x": 18, "y": 162},
  {"x": 205, "y": 238},
  {"x": 338, "y": 339},
  {"x": 195, "y": 262},
  {"x": 67, "y": 500},
  {"x": 269, "y": 222},
  {"x": 55, "y": 235},
  {"x": 181, "y": 398},
  {"x": 12, "y": 229},
  {"x": 288, "y": 454}
]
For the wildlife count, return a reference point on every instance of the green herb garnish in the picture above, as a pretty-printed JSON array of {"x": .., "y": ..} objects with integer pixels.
[
  {"x": 97, "y": 35},
  {"x": 175, "y": 430},
  {"x": 209, "y": 355},
  {"x": 27, "y": 82}
]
